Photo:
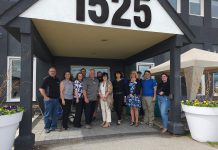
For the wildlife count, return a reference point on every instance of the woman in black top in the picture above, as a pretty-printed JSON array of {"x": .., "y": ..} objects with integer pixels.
[
  {"x": 118, "y": 95},
  {"x": 163, "y": 91}
]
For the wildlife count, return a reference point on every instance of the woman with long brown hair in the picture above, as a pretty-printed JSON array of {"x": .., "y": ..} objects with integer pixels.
[{"x": 106, "y": 99}]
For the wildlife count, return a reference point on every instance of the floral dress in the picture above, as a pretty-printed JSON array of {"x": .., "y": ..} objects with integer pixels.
[{"x": 133, "y": 101}]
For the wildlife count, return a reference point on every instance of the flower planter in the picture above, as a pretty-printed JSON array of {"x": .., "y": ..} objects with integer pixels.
[
  {"x": 203, "y": 122},
  {"x": 8, "y": 128}
]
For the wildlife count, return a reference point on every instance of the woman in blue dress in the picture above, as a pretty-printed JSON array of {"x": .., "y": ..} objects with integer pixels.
[{"x": 133, "y": 97}]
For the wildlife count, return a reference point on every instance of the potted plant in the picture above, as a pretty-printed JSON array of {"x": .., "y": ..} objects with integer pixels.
[
  {"x": 10, "y": 116},
  {"x": 202, "y": 118}
]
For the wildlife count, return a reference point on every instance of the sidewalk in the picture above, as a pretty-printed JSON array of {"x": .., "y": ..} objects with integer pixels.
[
  {"x": 143, "y": 142},
  {"x": 76, "y": 135}
]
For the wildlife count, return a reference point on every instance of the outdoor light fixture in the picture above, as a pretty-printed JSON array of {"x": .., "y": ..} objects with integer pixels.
[{"x": 104, "y": 40}]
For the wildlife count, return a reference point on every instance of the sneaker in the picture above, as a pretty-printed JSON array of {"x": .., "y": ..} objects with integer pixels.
[
  {"x": 47, "y": 130},
  {"x": 150, "y": 125},
  {"x": 164, "y": 130},
  {"x": 52, "y": 129},
  {"x": 142, "y": 122},
  {"x": 88, "y": 126},
  {"x": 119, "y": 122}
]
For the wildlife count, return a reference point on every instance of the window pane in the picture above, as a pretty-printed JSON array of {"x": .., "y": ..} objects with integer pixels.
[
  {"x": 195, "y": 7},
  {"x": 214, "y": 8},
  {"x": 16, "y": 74},
  {"x": 173, "y": 3},
  {"x": 215, "y": 48},
  {"x": 215, "y": 84}
]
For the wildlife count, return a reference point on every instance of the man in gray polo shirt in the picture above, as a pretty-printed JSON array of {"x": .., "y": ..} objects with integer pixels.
[{"x": 90, "y": 92}]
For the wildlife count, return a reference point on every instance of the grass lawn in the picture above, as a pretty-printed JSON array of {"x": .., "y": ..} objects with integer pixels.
[{"x": 213, "y": 144}]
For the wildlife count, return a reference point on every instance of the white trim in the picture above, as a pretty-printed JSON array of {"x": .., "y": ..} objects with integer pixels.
[
  {"x": 214, "y": 88},
  {"x": 151, "y": 65},
  {"x": 211, "y": 11},
  {"x": 178, "y": 6},
  {"x": 201, "y": 9},
  {"x": 9, "y": 78}
]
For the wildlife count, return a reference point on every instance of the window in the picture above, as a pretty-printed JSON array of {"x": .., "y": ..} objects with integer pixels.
[
  {"x": 176, "y": 5},
  {"x": 14, "y": 79},
  {"x": 214, "y": 8},
  {"x": 215, "y": 48},
  {"x": 76, "y": 69},
  {"x": 196, "y": 7},
  {"x": 142, "y": 66},
  {"x": 201, "y": 89},
  {"x": 215, "y": 84}
]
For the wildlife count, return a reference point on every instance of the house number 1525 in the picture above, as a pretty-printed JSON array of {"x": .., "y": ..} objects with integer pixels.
[{"x": 117, "y": 16}]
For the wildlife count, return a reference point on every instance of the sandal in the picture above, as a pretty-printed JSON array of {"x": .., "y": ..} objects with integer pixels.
[
  {"x": 132, "y": 123},
  {"x": 103, "y": 123},
  {"x": 137, "y": 124}
]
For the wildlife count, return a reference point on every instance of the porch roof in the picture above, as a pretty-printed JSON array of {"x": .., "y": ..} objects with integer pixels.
[
  {"x": 68, "y": 37},
  {"x": 192, "y": 58}
]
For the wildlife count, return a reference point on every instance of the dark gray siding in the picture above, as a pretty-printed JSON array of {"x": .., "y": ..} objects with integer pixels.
[{"x": 14, "y": 47}]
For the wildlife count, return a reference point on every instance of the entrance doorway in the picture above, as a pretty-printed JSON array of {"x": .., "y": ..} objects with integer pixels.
[{"x": 76, "y": 69}]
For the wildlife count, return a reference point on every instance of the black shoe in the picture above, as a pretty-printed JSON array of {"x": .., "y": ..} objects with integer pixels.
[
  {"x": 47, "y": 130},
  {"x": 77, "y": 126},
  {"x": 94, "y": 118}
]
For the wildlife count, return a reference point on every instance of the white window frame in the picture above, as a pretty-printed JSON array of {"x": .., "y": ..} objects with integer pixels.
[
  {"x": 144, "y": 64},
  {"x": 211, "y": 12},
  {"x": 178, "y": 7},
  {"x": 201, "y": 9},
  {"x": 9, "y": 79},
  {"x": 203, "y": 86}
]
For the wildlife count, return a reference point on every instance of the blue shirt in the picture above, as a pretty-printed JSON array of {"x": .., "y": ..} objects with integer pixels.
[{"x": 148, "y": 87}]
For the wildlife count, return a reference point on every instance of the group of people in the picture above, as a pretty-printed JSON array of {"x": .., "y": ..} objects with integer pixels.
[{"x": 90, "y": 92}]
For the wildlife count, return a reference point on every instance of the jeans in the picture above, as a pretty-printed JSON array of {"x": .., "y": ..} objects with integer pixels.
[
  {"x": 51, "y": 113},
  {"x": 164, "y": 105}
]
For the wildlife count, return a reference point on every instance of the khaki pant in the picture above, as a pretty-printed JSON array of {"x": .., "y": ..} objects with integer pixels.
[
  {"x": 148, "y": 106},
  {"x": 106, "y": 111}
]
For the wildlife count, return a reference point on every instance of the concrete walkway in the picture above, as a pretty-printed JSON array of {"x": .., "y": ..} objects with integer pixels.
[
  {"x": 75, "y": 135},
  {"x": 143, "y": 142}
]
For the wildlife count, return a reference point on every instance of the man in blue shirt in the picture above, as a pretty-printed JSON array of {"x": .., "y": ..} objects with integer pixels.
[{"x": 149, "y": 87}]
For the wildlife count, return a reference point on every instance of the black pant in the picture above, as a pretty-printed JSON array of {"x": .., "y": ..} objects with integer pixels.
[
  {"x": 66, "y": 112},
  {"x": 118, "y": 104},
  {"x": 89, "y": 111},
  {"x": 79, "y": 111}
]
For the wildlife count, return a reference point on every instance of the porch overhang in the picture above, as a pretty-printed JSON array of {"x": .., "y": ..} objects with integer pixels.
[{"x": 66, "y": 36}]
